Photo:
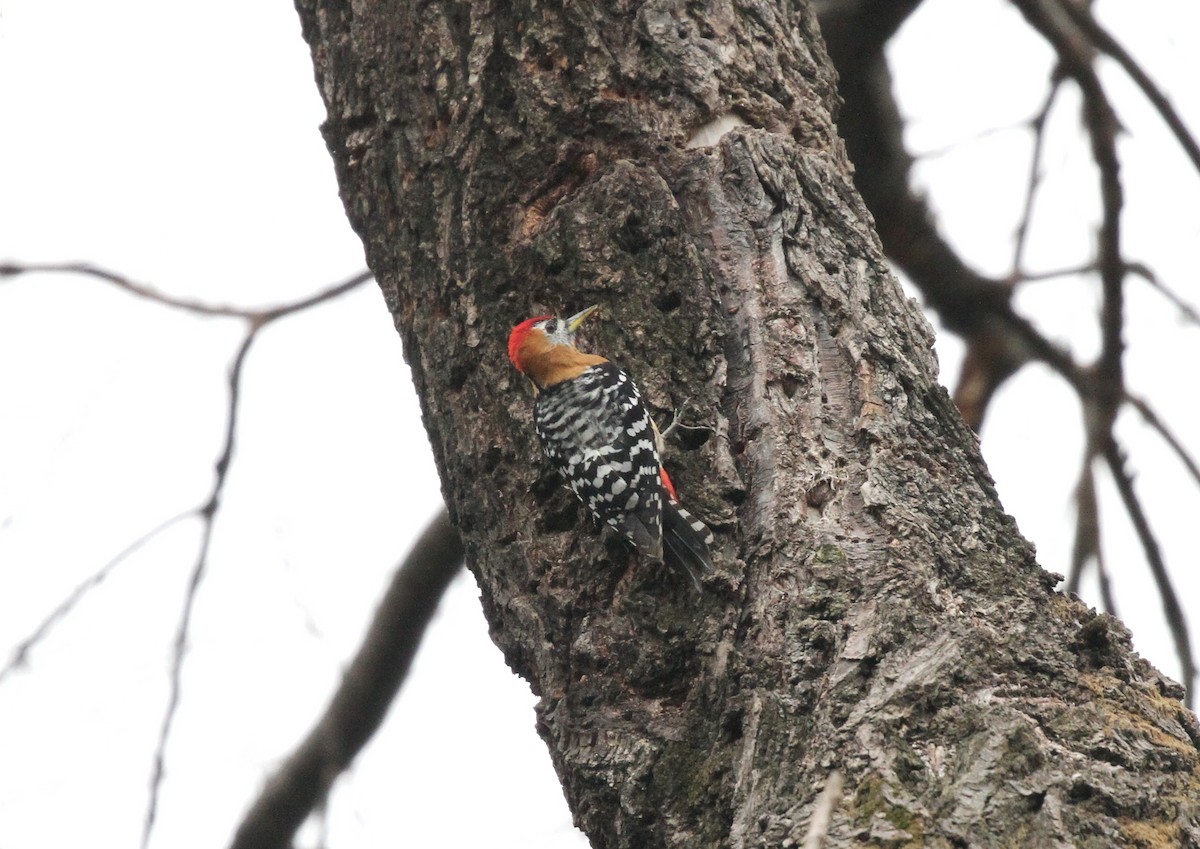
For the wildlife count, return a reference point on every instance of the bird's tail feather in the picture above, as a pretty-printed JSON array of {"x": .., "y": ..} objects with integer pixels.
[{"x": 685, "y": 541}]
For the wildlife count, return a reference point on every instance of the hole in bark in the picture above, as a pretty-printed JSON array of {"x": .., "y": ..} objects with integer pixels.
[
  {"x": 555, "y": 264},
  {"x": 561, "y": 519},
  {"x": 544, "y": 488},
  {"x": 1108, "y": 756},
  {"x": 819, "y": 493},
  {"x": 682, "y": 33},
  {"x": 491, "y": 459},
  {"x": 500, "y": 92},
  {"x": 1035, "y": 801},
  {"x": 691, "y": 440},
  {"x": 614, "y": 547},
  {"x": 458, "y": 376},
  {"x": 1081, "y": 792},
  {"x": 668, "y": 301},
  {"x": 734, "y": 726},
  {"x": 632, "y": 236}
]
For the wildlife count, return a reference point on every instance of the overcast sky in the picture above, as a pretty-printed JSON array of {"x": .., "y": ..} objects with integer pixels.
[{"x": 179, "y": 145}]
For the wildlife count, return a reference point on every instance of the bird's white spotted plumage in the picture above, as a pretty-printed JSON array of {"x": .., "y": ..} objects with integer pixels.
[{"x": 598, "y": 434}]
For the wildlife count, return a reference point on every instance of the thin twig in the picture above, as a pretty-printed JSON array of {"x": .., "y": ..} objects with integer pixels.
[
  {"x": 1106, "y": 588},
  {"x": 257, "y": 320},
  {"x": 1176, "y": 620},
  {"x": 1088, "y": 545},
  {"x": 1135, "y": 268},
  {"x": 1151, "y": 418},
  {"x": 1103, "y": 130},
  {"x": 958, "y": 144},
  {"x": 1076, "y": 57},
  {"x": 1104, "y": 40},
  {"x": 368, "y": 688},
  {"x": 122, "y": 282},
  {"x": 1187, "y": 310},
  {"x": 1038, "y": 125},
  {"x": 1087, "y": 525},
  {"x": 141, "y": 290},
  {"x": 20, "y": 654},
  {"x": 1038, "y": 276},
  {"x": 207, "y": 512},
  {"x": 1103, "y": 127},
  {"x": 270, "y": 314}
]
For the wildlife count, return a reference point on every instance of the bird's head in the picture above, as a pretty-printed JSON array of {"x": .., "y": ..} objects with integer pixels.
[{"x": 543, "y": 348}]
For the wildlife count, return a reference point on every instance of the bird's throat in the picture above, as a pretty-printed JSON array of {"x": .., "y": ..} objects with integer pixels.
[{"x": 547, "y": 365}]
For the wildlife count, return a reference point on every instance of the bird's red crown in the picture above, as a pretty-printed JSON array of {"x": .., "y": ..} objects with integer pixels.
[{"x": 517, "y": 338}]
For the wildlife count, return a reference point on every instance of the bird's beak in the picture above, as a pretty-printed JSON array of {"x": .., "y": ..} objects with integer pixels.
[{"x": 574, "y": 321}]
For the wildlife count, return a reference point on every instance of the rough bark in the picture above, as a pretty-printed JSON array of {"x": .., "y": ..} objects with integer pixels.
[{"x": 875, "y": 612}]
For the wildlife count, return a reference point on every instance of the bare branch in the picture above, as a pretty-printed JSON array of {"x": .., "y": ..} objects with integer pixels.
[
  {"x": 20, "y": 654},
  {"x": 141, "y": 290},
  {"x": 1076, "y": 57},
  {"x": 367, "y": 690},
  {"x": 1106, "y": 589},
  {"x": 1076, "y": 61},
  {"x": 207, "y": 512},
  {"x": 1087, "y": 525},
  {"x": 1038, "y": 125},
  {"x": 1088, "y": 546},
  {"x": 256, "y": 318},
  {"x": 335, "y": 291},
  {"x": 124, "y": 283},
  {"x": 1055, "y": 273},
  {"x": 1151, "y": 418},
  {"x": 1066, "y": 28},
  {"x": 1187, "y": 310},
  {"x": 1104, "y": 41},
  {"x": 1176, "y": 620},
  {"x": 1136, "y": 268},
  {"x": 1102, "y": 123}
]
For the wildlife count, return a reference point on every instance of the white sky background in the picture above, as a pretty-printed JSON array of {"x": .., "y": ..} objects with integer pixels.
[{"x": 180, "y": 147}]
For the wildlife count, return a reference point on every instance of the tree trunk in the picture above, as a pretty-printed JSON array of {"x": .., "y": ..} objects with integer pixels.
[{"x": 875, "y": 612}]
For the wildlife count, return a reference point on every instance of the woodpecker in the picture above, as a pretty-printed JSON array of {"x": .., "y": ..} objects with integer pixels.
[{"x": 597, "y": 433}]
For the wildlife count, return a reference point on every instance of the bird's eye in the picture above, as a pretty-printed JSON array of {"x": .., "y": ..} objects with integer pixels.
[{"x": 551, "y": 325}]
